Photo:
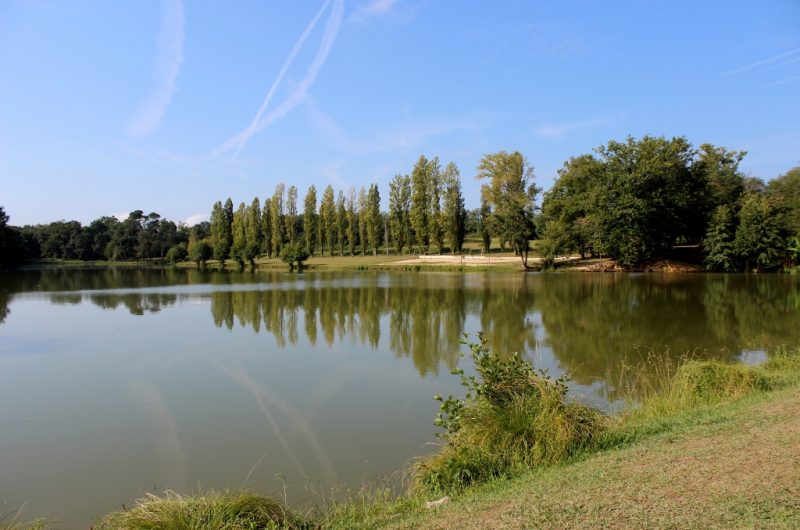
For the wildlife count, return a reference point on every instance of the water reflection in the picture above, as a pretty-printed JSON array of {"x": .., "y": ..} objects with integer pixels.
[{"x": 590, "y": 325}]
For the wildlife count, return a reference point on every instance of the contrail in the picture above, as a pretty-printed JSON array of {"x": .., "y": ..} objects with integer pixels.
[
  {"x": 166, "y": 65},
  {"x": 762, "y": 62},
  {"x": 260, "y": 121}
]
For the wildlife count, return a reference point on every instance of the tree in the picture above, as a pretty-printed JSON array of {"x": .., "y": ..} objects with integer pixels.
[
  {"x": 758, "y": 236},
  {"x": 436, "y": 220},
  {"x": 177, "y": 253},
  {"x": 363, "y": 206},
  {"x": 276, "y": 218},
  {"x": 266, "y": 228},
  {"x": 483, "y": 225},
  {"x": 785, "y": 193},
  {"x": 454, "y": 215},
  {"x": 340, "y": 220},
  {"x": 310, "y": 223},
  {"x": 12, "y": 249},
  {"x": 566, "y": 208},
  {"x": 291, "y": 214},
  {"x": 374, "y": 220},
  {"x": 719, "y": 169},
  {"x": 200, "y": 251},
  {"x": 253, "y": 235},
  {"x": 294, "y": 254},
  {"x": 420, "y": 203},
  {"x": 327, "y": 215},
  {"x": 239, "y": 232},
  {"x": 719, "y": 242},
  {"x": 399, "y": 206},
  {"x": 510, "y": 193},
  {"x": 646, "y": 197},
  {"x": 352, "y": 221}
]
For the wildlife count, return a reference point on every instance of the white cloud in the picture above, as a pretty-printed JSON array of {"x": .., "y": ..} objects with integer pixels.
[
  {"x": 196, "y": 218},
  {"x": 166, "y": 65},
  {"x": 238, "y": 141},
  {"x": 372, "y": 8}
]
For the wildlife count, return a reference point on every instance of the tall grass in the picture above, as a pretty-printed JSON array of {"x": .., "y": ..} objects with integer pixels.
[
  {"x": 222, "y": 511},
  {"x": 512, "y": 418}
]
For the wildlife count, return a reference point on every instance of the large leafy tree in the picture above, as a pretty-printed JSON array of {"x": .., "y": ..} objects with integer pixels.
[
  {"x": 566, "y": 208},
  {"x": 510, "y": 193},
  {"x": 341, "y": 222},
  {"x": 436, "y": 217},
  {"x": 363, "y": 206},
  {"x": 310, "y": 223},
  {"x": 785, "y": 193},
  {"x": 719, "y": 242},
  {"x": 239, "y": 232},
  {"x": 646, "y": 196},
  {"x": 253, "y": 235},
  {"x": 758, "y": 236},
  {"x": 266, "y": 228}
]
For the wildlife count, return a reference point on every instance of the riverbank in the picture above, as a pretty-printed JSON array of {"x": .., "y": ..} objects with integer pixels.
[{"x": 717, "y": 446}]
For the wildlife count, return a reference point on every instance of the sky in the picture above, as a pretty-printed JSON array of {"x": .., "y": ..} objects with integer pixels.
[{"x": 168, "y": 106}]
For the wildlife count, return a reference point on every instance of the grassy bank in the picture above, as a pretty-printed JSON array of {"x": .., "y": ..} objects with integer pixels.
[{"x": 710, "y": 445}]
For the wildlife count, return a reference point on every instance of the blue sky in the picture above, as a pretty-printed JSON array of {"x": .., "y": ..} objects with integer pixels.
[{"x": 168, "y": 106}]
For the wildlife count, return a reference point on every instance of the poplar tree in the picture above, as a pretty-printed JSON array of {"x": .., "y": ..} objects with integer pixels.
[
  {"x": 291, "y": 214},
  {"x": 341, "y": 220},
  {"x": 228, "y": 225},
  {"x": 352, "y": 220},
  {"x": 310, "y": 223},
  {"x": 436, "y": 221},
  {"x": 239, "y": 235},
  {"x": 327, "y": 214},
  {"x": 399, "y": 205},
  {"x": 374, "y": 221},
  {"x": 454, "y": 213},
  {"x": 276, "y": 214},
  {"x": 219, "y": 244},
  {"x": 253, "y": 235},
  {"x": 362, "y": 220},
  {"x": 266, "y": 227},
  {"x": 420, "y": 203}
]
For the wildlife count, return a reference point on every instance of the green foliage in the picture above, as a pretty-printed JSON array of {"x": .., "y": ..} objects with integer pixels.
[
  {"x": 758, "y": 236},
  {"x": 436, "y": 227},
  {"x": 294, "y": 254},
  {"x": 291, "y": 214},
  {"x": 310, "y": 222},
  {"x": 327, "y": 220},
  {"x": 512, "y": 418},
  {"x": 200, "y": 251},
  {"x": 373, "y": 218},
  {"x": 510, "y": 194},
  {"x": 351, "y": 221},
  {"x": 363, "y": 207},
  {"x": 454, "y": 215},
  {"x": 719, "y": 242},
  {"x": 420, "y": 201},
  {"x": 340, "y": 222},
  {"x": 277, "y": 218},
  {"x": 177, "y": 253},
  {"x": 220, "y": 511},
  {"x": 239, "y": 232},
  {"x": 266, "y": 228},
  {"x": 785, "y": 192},
  {"x": 399, "y": 211}
]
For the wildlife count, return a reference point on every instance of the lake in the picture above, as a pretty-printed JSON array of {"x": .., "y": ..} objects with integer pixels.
[{"x": 115, "y": 382}]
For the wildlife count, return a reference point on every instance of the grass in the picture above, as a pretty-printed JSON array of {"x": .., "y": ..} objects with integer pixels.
[{"x": 223, "y": 511}]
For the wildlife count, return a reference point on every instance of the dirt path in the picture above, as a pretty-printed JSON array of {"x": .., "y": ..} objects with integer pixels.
[{"x": 742, "y": 471}]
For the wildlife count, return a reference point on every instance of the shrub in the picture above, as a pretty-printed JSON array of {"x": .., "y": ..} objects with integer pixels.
[
  {"x": 512, "y": 418},
  {"x": 222, "y": 511},
  {"x": 177, "y": 253},
  {"x": 294, "y": 253}
]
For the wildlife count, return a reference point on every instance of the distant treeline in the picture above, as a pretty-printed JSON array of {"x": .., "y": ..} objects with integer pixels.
[{"x": 630, "y": 201}]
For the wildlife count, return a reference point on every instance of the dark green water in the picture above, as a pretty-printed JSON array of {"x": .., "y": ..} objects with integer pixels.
[{"x": 117, "y": 382}]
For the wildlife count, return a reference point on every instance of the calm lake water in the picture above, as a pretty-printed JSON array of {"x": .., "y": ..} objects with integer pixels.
[{"x": 118, "y": 382}]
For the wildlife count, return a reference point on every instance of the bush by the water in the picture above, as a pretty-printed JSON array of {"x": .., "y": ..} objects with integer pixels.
[
  {"x": 512, "y": 418},
  {"x": 221, "y": 511}
]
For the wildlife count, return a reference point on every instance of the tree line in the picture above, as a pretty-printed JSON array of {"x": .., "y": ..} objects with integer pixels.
[
  {"x": 631, "y": 200},
  {"x": 638, "y": 199}
]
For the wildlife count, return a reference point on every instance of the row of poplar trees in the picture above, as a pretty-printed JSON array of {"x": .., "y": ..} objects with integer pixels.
[{"x": 425, "y": 209}]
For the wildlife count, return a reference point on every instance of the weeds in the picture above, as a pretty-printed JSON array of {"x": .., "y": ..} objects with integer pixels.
[
  {"x": 223, "y": 511},
  {"x": 512, "y": 418}
]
